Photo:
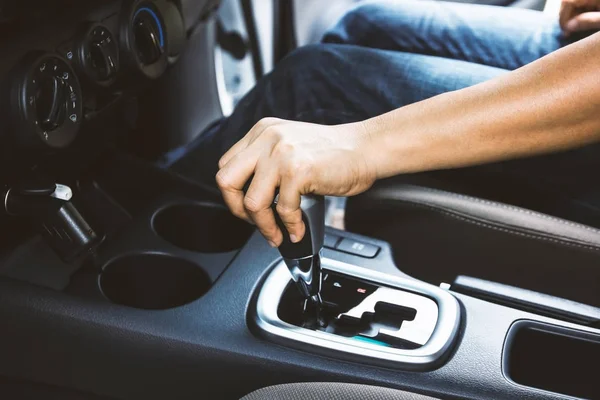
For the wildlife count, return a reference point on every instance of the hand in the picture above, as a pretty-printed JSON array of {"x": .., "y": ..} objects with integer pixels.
[
  {"x": 299, "y": 158},
  {"x": 579, "y": 15}
]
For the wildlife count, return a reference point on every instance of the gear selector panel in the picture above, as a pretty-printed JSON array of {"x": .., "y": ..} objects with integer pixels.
[{"x": 367, "y": 314}]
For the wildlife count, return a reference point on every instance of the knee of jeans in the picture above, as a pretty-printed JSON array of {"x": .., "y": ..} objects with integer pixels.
[
  {"x": 359, "y": 25},
  {"x": 311, "y": 60}
]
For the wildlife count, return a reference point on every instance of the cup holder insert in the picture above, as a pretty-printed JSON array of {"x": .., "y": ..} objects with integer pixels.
[
  {"x": 153, "y": 281},
  {"x": 201, "y": 227}
]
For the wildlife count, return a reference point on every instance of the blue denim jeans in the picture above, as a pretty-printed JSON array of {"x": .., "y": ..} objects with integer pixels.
[{"x": 386, "y": 54}]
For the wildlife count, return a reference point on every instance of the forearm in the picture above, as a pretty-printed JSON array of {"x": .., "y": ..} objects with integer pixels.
[{"x": 549, "y": 105}]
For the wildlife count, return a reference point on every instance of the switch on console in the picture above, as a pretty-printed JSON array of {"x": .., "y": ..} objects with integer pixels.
[
  {"x": 351, "y": 246},
  {"x": 357, "y": 248}
]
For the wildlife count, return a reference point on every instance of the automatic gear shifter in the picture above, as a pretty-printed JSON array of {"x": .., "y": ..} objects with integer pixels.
[{"x": 303, "y": 259}]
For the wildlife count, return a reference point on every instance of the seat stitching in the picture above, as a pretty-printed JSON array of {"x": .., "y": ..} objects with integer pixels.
[
  {"x": 505, "y": 230},
  {"x": 514, "y": 208}
]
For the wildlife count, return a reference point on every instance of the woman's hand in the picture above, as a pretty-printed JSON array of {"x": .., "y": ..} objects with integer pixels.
[
  {"x": 298, "y": 158},
  {"x": 579, "y": 15}
]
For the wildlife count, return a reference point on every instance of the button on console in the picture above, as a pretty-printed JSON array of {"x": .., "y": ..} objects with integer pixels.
[
  {"x": 357, "y": 248},
  {"x": 331, "y": 240}
]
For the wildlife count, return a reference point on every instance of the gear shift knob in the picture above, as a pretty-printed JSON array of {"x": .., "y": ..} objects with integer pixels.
[{"x": 303, "y": 259}]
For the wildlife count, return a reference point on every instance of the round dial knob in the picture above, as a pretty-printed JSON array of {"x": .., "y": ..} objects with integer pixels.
[
  {"x": 98, "y": 55},
  {"x": 174, "y": 27},
  {"x": 149, "y": 35},
  {"x": 144, "y": 38},
  {"x": 46, "y": 102}
]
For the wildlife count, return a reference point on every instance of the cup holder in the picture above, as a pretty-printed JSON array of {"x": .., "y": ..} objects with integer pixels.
[
  {"x": 153, "y": 281},
  {"x": 201, "y": 227}
]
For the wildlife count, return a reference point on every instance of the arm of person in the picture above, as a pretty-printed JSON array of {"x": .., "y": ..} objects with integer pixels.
[{"x": 550, "y": 105}]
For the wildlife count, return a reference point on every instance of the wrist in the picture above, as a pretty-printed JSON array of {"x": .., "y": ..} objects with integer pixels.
[
  {"x": 397, "y": 144},
  {"x": 374, "y": 146}
]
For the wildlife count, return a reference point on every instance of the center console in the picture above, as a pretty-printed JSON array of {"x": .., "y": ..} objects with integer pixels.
[{"x": 181, "y": 299}]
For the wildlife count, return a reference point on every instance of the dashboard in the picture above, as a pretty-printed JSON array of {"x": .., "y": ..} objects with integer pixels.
[{"x": 67, "y": 65}]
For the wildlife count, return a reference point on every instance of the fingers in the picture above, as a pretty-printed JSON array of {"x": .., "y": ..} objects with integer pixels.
[
  {"x": 584, "y": 22},
  {"x": 566, "y": 13},
  {"x": 232, "y": 178},
  {"x": 288, "y": 208},
  {"x": 256, "y": 130},
  {"x": 256, "y": 156},
  {"x": 582, "y": 4},
  {"x": 259, "y": 199}
]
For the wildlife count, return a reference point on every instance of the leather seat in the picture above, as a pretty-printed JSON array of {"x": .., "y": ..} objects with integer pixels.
[
  {"x": 331, "y": 391},
  {"x": 437, "y": 235}
]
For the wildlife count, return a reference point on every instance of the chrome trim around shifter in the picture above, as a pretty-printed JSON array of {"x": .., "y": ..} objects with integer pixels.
[{"x": 427, "y": 356}]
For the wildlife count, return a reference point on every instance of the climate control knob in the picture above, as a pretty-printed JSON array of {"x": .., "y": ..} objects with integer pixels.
[
  {"x": 98, "y": 55},
  {"x": 149, "y": 35},
  {"x": 46, "y": 104},
  {"x": 144, "y": 38}
]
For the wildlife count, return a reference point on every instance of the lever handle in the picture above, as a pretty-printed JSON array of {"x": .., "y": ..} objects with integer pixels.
[
  {"x": 313, "y": 216},
  {"x": 103, "y": 54},
  {"x": 56, "y": 112},
  {"x": 36, "y": 201},
  {"x": 303, "y": 258},
  {"x": 61, "y": 224}
]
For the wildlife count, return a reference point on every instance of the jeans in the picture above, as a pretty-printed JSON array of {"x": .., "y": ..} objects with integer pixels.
[{"x": 386, "y": 54}]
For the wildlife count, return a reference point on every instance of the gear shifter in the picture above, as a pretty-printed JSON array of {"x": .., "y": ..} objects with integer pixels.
[{"x": 303, "y": 259}]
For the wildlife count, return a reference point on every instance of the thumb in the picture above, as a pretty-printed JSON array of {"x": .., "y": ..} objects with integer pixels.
[{"x": 584, "y": 22}]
